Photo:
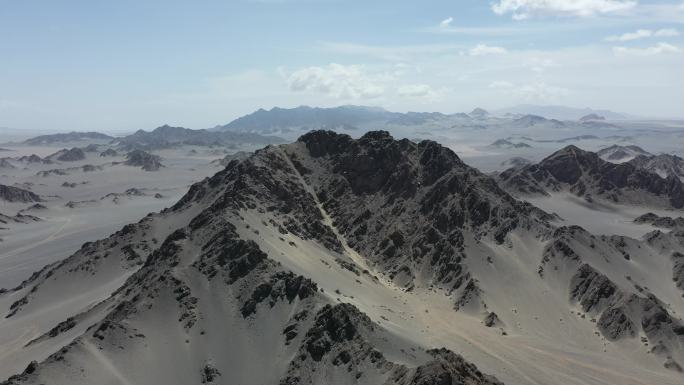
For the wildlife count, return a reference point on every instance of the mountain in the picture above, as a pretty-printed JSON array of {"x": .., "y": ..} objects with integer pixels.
[
  {"x": 167, "y": 136},
  {"x": 504, "y": 143},
  {"x": 68, "y": 137},
  {"x": 291, "y": 122},
  {"x": 109, "y": 152},
  {"x": 619, "y": 153},
  {"x": 515, "y": 162},
  {"x": 664, "y": 164},
  {"x": 340, "y": 261},
  {"x": 561, "y": 112},
  {"x": 6, "y": 164},
  {"x": 479, "y": 113},
  {"x": 534, "y": 120},
  {"x": 144, "y": 160},
  {"x": 283, "y": 120},
  {"x": 16, "y": 194},
  {"x": 71, "y": 155},
  {"x": 591, "y": 118},
  {"x": 585, "y": 174},
  {"x": 33, "y": 158}
]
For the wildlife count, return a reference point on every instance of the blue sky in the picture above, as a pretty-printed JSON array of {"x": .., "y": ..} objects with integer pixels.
[{"x": 125, "y": 65}]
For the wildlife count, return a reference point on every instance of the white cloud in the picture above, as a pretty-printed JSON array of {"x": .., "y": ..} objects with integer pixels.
[
  {"x": 644, "y": 33},
  {"x": 540, "y": 91},
  {"x": 482, "y": 49},
  {"x": 347, "y": 82},
  {"x": 397, "y": 53},
  {"x": 660, "y": 48},
  {"x": 524, "y": 9},
  {"x": 534, "y": 91},
  {"x": 500, "y": 84},
  {"x": 421, "y": 92},
  {"x": 446, "y": 23},
  {"x": 667, "y": 32}
]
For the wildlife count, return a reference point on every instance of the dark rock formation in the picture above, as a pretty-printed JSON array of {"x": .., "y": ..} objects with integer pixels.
[
  {"x": 585, "y": 174},
  {"x": 16, "y": 194},
  {"x": 446, "y": 368},
  {"x": 658, "y": 221},
  {"x": 109, "y": 152},
  {"x": 145, "y": 160}
]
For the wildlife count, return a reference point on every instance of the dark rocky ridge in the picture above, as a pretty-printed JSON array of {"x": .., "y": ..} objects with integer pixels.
[
  {"x": 658, "y": 221},
  {"x": 144, "y": 160},
  {"x": 16, "y": 194},
  {"x": 71, "y": 155},
  {"x": 109, "y": 152},
  {"x": 620, "y": 312},
  {"x": 585, "y": 174},
  {"x": 669, "y": 165},
  {"x": 401, "y": 204}
]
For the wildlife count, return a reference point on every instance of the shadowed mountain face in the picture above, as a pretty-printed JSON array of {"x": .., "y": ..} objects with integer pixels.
[
  {"x": 585, "y": 174},
  {"x": 340, "y": 260},
  {"x": 16, "y": 194}
]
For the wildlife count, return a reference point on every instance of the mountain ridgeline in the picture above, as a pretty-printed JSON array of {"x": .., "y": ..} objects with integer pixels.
[
  {"x": 585, "y": 174},
  {"x": 345, "y": 261}
]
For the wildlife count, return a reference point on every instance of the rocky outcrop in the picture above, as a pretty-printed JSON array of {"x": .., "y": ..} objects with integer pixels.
[
  {"x": 144, "y": 160},
  {"x": 662, "y": 222},
  {"x": 16, "y": 194},
  {"x": 109, "y": 152},
  {"x": 70, "y": 155},
  {"x": 6, "y": 164},
  {"x": 446, "y": 368}
]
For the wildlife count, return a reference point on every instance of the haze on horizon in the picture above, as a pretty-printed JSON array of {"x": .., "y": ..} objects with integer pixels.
[{"x": 125, "y": 65}]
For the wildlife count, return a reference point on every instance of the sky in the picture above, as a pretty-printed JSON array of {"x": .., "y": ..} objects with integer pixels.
[{"x": 137, "y": 64}]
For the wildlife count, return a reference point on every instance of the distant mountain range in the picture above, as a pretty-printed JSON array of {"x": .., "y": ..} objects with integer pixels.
[
  {"x": 278, "y": 124},
  {"x": 281, "y": 120},
  {"x": 167, "y": 136},
  {"x": 562, "y": 112},
  {"x": 67, "y": 137}
]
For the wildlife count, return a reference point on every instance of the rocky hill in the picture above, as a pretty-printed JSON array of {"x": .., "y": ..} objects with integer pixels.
[
  {"x": 585, "y": 174},
  {"x": 16, "y": 194},
  {"x": 144, "y": 160},
  {"x": 71, "y": 155},
  {"x": 167, "y": 136},
  {"x": 66, "y": 137}
]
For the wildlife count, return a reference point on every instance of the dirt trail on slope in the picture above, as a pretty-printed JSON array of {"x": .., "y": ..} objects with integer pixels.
[{"x": 327, "y": 220}]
